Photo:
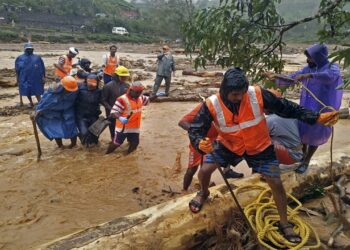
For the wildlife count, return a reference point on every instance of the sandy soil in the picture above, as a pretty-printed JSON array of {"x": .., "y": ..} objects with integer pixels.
[{"x": 74, "y": 189}]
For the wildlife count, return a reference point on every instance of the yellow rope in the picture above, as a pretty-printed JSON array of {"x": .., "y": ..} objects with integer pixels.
[{"x": 263, "y": 216}]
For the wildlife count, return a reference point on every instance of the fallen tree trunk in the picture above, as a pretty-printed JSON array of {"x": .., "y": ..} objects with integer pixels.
[
  {"x": 202, "y": 73},
  {"x": 344, "y": 113},
  {"x": 172, "y": 226}
]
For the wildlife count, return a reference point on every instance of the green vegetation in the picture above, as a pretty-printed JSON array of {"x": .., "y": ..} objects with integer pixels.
[
  {"x": 11, "y": 35},
  {"x": 252, "y": 34},
  {"x": 72, "y": 7},
  {"x": 154, "y": 18}
]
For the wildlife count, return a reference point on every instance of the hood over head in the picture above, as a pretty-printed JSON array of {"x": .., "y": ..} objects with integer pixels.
[{"x": 318, "y": 53}]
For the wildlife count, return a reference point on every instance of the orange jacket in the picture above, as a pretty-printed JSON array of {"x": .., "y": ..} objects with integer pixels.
[
  {"x": 212, "y": 133},
  {"x": 111, "y": 65},
  {"x": 245, "y": 132},
  {"x": 67, "y": 67},
  {"x": 134, "y": 106}
]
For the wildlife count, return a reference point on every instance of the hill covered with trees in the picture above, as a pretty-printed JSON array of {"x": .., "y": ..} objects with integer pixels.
[{"x": 146, "y": 20}]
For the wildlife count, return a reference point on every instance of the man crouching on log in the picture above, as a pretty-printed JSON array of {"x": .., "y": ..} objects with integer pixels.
[{"x": 238, "y": 114}]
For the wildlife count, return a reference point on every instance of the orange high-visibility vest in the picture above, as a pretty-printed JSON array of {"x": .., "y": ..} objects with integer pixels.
[
  {"x": 67, "y": 67},
  {"x": 134, "y": 123},
  {"x": 111, "y": 65},
  {"x": 245, "y": 132}
]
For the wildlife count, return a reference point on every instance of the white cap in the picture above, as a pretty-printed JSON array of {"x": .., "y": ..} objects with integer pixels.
[{"x": 73, "y": 50}]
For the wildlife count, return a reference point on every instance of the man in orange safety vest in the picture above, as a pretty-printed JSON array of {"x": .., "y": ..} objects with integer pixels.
[{"x": 237, "y": 112}]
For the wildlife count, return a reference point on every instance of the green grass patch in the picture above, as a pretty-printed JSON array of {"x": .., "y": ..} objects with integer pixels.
[{"x": 16, "y": 34}]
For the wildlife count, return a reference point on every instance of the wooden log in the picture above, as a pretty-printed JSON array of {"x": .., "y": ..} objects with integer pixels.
[
  {"x": 202, "y": 73},
  {"x": 171, "y": 225},
  {"x": 344, "y": 113}
]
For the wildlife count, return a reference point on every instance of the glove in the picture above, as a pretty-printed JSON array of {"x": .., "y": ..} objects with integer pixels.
[
  {"x": 123, "y": 120},
  {"x": 328, "y": 118},
  {"x": 205, "y": 146}
]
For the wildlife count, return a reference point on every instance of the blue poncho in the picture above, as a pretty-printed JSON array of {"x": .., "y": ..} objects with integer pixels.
[
  {"x": 57, "y": 116},
  {"x": 325, "y": 78},
  {"x": 30, "y": 70}
]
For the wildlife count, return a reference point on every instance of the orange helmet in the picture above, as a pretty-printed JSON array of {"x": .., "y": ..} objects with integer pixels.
[
  {"x": 69, "y": 83},
  {"x": 91, "y": 80}
]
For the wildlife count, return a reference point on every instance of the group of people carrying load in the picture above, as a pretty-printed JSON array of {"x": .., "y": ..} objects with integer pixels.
[
  {"x": 241, "y": 122},
  {"x": 71, "y": 106}
]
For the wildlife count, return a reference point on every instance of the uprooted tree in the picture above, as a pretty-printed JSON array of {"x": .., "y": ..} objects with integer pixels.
[{"x": 250, "y": 33}]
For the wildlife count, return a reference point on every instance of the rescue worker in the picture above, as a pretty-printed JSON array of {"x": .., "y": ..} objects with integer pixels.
[
  {"x": 30, "y": 74},
  {"x": 237, "y": 112},
  {"x": 166, "y": 65},
  {"x": 110, "y": 63},
  {"x": 88, "y": 109},
  {"x": 195, "y": 158},
  {"x": 127, "y": 112},
  {"x": 322, "y": 78},
  {"x": 83, "y": 71},
  {"x": 112, "y": 90},
  {"x": 65, "y": 64},
  {"x": 55, "y": 113}
]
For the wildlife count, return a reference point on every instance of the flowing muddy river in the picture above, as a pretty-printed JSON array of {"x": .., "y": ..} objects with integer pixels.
[{"x": 69, "y": 190}]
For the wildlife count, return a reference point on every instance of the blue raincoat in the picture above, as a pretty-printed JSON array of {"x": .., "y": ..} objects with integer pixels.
[
  {"x": 325, "y": 78},
  {"x": 56, "y": 119},
  {"x": 30, "y": 70}
]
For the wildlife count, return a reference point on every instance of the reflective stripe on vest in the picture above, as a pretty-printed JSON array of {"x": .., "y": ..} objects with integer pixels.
[
  {"x": 245, "y": 132},
  {"x": 221, "y": 118},
  {"x": 133, "y": 125},
  {"x": 67, "y": 66},
  {"x": 128, "y": 105}
]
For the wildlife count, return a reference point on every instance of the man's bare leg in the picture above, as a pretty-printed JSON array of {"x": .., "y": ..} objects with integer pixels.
[
  {"x": 111, "y": 148},
  {"x": 30, "y": 101},
  {"x": 38, "y": 98},
  {"x": 204, "y": 176},
  {"x": 189, "y": 176},
  {"x": 132, "y": 147},
  {"x": 309, "y": 153},
  {"x": 280, "y": 197},
  {"x": 59, "y": 143},
  {"x": 73, "y": 142}
]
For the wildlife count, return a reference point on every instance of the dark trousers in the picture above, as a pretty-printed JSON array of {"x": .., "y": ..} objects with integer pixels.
[
  {"x": 158, "y": 82},
  {"x": 112, "y": 124},
  {"x": 84, "y": 135}
]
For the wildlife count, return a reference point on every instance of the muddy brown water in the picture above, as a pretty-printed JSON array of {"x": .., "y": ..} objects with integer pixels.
[
  {"x": 74, "y": 189},
  {"x": 70, "y": 190}
]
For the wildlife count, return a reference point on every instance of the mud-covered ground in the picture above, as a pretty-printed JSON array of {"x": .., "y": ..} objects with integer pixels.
[{"x": 74, "y": 189}]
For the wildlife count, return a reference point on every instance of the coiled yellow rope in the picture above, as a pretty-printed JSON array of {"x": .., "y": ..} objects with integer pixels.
[{"x": 263, "y": 217}]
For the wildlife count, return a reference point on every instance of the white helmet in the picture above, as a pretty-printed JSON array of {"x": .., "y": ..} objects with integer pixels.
[{"x": 73, "y": 50}]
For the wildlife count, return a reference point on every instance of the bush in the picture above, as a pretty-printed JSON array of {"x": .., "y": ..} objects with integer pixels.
[
  {"x": 12, "y": 35},
  {"x": 9, "y": 36}
]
